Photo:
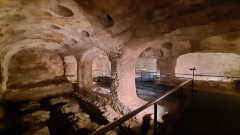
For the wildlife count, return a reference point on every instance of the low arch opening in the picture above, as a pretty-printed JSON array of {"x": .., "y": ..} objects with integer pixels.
[
  {"x": 34, "y": 74},
  {"x": 31, "y": 66},
  {"x": 101, "y": 71},
  {"x": 215, "y": 71}
]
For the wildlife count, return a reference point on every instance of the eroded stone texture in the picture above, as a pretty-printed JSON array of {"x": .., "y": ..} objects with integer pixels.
[
  {"x": 71, "y": 68},
  {"x": 146, "y": 64},
  {"x": 37, "y": 117},
  {"x": 38, "y": 93},
  {"x": 101, "y": 66},
  {"x": 33, "y": 66},
  {"x": 101, "y": 98},
  {"x": 122, "y": 29}
]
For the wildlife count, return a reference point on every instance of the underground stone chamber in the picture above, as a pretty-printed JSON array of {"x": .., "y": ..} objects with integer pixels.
[{"x": 74, "y": 66}]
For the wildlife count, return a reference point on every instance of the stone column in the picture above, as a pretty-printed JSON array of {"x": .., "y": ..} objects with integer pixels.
[
  {"x": 2, "y": 88},
  {"x": 84, "y": 73},
  {"x": 86, "y": 78},
  {"x": 4, "y": 73},
  {"x": 115, "y": 75},
  {"x": 123, "y": 88},
  {"x": 64, "y": 65},
  {"x": 79, "y": 75}
]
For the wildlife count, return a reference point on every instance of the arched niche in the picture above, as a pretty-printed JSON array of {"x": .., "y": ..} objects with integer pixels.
[
  {"x": 90, "y": 65},
  {"x": 30, "y": 66},
  {"x": 125, "y": 77},
  {"x": 101, "y": 70}
]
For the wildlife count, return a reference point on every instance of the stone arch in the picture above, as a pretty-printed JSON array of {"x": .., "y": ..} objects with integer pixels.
[
  {"x": 147, "y": 61},
  {"x": 214, "y": 64},
  {"x": 85, "y": 66},
  {"x": 125, "y": 72},
  {"x": 8, "y": 52},
  {"x": 30, "y": 67},
  {"x": 209, "y": 59}
]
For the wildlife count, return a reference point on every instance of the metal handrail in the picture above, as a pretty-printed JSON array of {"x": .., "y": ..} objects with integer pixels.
[
  {"x": 190, "y": 74},
  {"x": 104, "y": 129}
]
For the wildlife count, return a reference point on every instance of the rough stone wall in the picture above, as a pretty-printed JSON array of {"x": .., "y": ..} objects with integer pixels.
[
  {"x": 32, "y": 66},
  {"x": 71, "y": 27},
  {"x": 224, "y": 64},
  {"x": 146, "y": 64},
  {"x": 101, "y": 66}
]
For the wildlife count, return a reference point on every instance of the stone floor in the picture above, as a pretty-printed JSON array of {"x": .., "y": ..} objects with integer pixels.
[{"x": 50, "y": 116}]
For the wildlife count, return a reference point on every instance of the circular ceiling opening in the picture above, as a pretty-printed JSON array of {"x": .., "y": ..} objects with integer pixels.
[
  {"x": 106, "y": 20},
  {"x": 63, "y": 11}
]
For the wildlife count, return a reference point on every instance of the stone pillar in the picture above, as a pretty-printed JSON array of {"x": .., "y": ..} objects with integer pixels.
[
  {"x": 2, "y": 88},
  {"x": 84, "y": 73},
  {"x": 70, "y": 67},
  {"x": 86, "y": 78},
  {"x": 4, "y": 75},
  {"x": 64, "y": 65},
  {"x": 115, "y": 72},
  {"x": 123, "y": 88},
  {"x": 79, "y": 75}
]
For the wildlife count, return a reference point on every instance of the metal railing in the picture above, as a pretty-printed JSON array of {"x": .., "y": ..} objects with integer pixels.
[
  {"x": 157, "y": 74},
  {"x": 110, "y": 126}
]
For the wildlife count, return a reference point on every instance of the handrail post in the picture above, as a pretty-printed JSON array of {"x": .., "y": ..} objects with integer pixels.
[
  {"x": 193, "y": 75},
  {"x": 141, "y": 75},
  {"x": 155, "y": 119},
  {"x": 153, "y": 76}
]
